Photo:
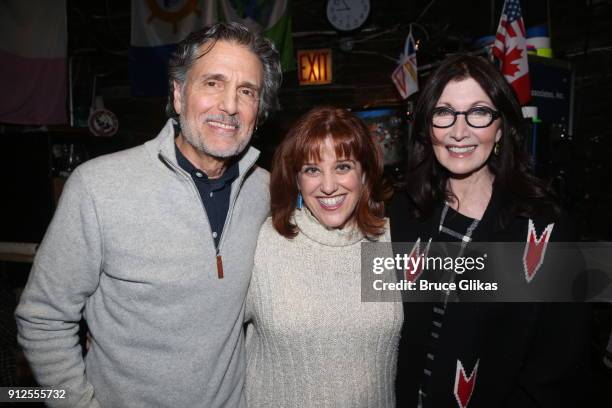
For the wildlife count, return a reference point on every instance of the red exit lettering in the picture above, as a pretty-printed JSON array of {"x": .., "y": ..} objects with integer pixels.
[{"x": 314, "y": 67}]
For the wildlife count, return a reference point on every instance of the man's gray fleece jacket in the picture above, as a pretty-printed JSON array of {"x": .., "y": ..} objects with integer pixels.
[{"x": 130, "y": 248}]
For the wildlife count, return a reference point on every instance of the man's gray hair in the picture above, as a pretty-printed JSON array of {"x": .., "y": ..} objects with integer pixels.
[{"x": 188, "y": 51}]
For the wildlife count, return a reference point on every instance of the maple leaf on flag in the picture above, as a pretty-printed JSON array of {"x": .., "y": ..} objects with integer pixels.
[
  {"x": 511, "y": 67},
  {"x": 509, "y": 47}
]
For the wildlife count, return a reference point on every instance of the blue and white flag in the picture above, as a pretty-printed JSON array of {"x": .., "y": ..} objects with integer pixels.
[
  {"x": 405, "y": 76},
  {"x": 158, "y": 25}
]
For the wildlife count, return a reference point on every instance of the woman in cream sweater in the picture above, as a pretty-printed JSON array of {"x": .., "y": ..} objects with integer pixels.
[{"x": 311, "y": 341}]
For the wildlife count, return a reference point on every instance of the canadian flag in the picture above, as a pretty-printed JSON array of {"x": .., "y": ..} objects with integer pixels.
[{"x": 511, "y": 49}]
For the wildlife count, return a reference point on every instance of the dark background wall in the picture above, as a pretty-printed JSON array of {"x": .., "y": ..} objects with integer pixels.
[
  {"x": 581, "y": 35},
  {"x": 577, "y": 162}
]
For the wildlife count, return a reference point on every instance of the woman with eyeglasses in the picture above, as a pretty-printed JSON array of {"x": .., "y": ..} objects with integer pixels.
[{"x": 469, "y": 181}]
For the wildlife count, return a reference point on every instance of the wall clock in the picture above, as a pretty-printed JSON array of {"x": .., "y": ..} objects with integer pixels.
[{"x": 347, "y": 15}]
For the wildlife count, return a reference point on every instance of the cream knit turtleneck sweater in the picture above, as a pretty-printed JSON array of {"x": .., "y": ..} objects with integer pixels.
[{"x": 311, "y": 342}]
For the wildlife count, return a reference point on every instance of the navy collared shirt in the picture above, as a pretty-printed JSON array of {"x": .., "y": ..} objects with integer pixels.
[{"x": 215, "y": 193}]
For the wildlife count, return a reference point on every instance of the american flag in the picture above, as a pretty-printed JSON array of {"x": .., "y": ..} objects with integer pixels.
[{"x": 511, "y": 49}]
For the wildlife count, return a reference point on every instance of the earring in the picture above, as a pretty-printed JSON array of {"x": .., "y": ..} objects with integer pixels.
[
  {"x": 300, "y": 201},
  {"x": 496, "y": 149}
]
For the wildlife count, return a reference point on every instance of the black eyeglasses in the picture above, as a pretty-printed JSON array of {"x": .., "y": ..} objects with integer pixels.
[{"x": 476, "y": 117}]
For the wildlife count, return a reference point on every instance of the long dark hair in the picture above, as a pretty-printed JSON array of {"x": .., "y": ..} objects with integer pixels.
[{"x": 427, "y": 179}]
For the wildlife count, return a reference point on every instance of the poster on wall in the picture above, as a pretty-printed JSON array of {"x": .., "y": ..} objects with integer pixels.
[{"x": 388, "y": 128}]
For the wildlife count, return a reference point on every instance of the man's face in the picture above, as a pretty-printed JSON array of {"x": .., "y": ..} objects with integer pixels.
[{"x": 219, "y": 101}]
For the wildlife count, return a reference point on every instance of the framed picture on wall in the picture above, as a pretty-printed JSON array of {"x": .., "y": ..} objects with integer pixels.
[{"x": 389, "y": 127}]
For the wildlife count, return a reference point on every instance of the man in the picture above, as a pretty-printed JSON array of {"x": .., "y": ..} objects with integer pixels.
[{"x": 154, "y": 245}]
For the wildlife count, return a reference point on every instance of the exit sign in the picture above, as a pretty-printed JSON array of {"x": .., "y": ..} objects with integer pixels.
[{"x": 315, "y": 67}]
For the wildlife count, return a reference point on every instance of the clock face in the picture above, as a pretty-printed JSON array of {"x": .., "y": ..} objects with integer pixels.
[{"x": 347, "y": 15}]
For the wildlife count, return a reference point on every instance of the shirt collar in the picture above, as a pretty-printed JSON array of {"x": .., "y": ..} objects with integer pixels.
[{"x": 228, "y": 176}]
